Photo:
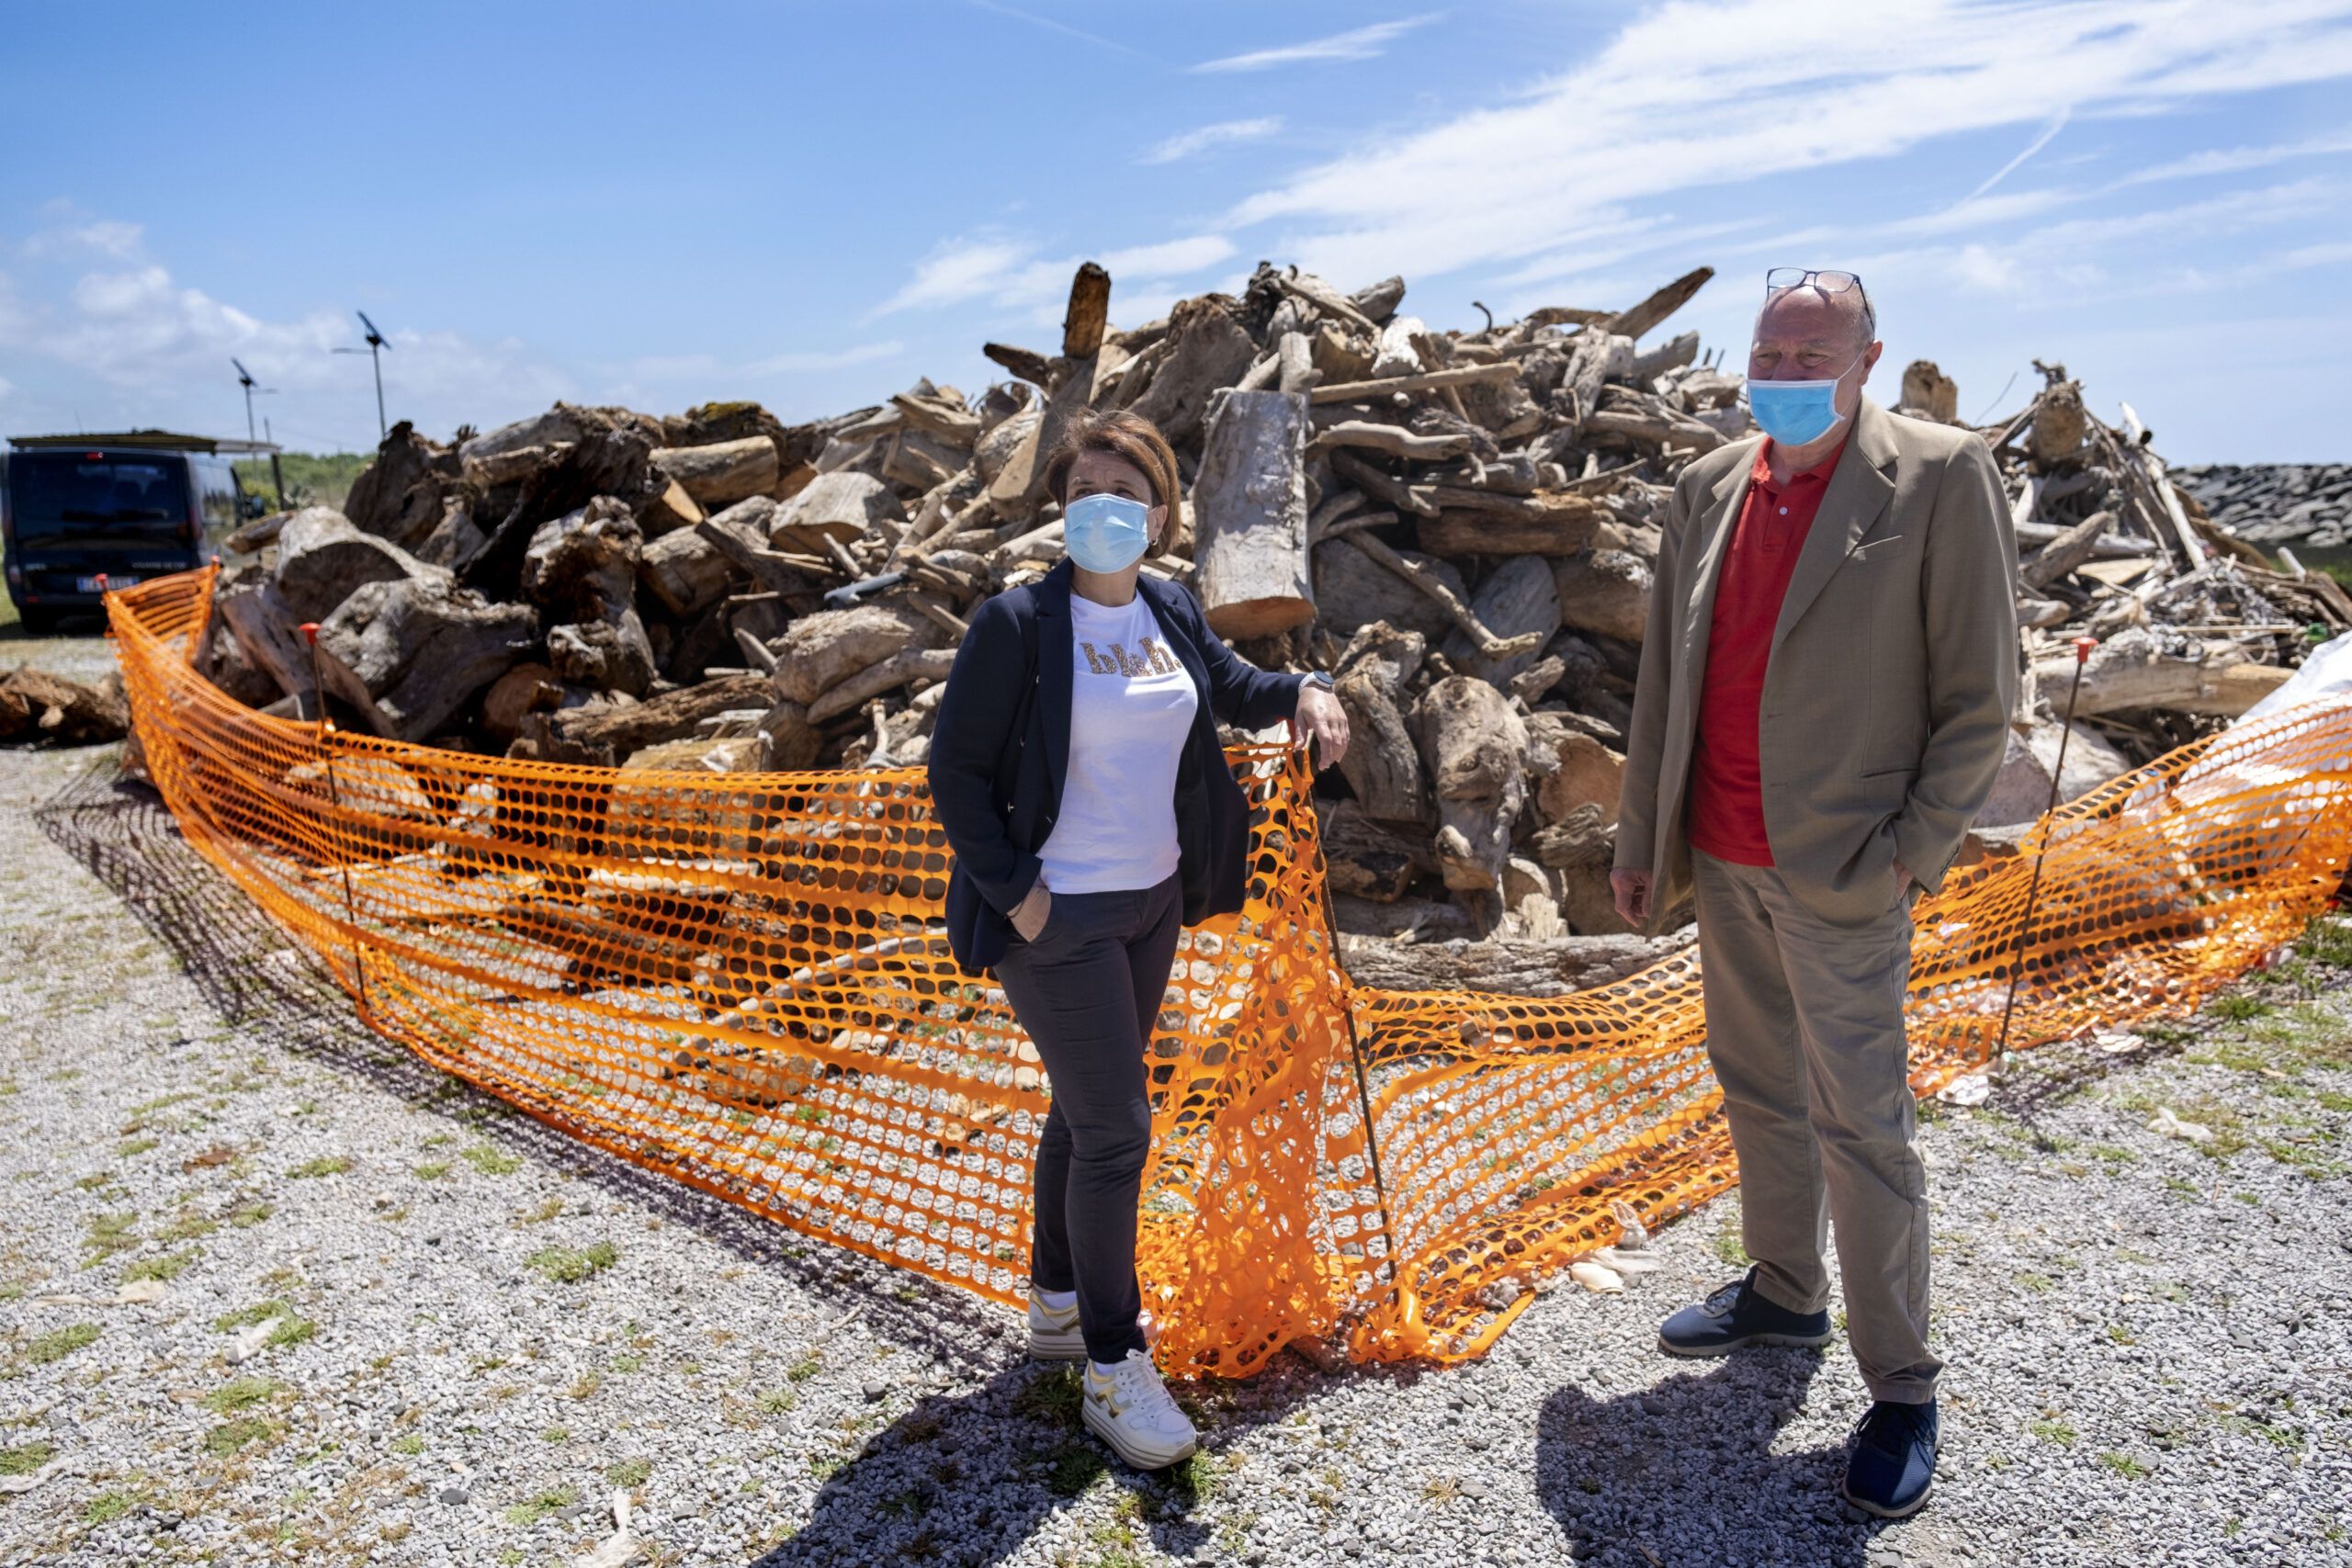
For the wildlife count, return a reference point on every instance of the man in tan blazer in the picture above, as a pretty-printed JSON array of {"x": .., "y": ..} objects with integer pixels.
[{"x": 1825, "y": 686}]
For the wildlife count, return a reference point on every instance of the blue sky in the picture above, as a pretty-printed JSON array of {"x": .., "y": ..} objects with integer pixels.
[{"x": 812, "y": 205}]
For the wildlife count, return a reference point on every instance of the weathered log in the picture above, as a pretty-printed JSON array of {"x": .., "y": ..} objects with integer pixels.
[
  {"x": 900, "y": 668},
  {"x": 1476, "y": 746},
  {"x": 422, "y": 649},
  {"x": 399, "y": 495},
  {"x": 1421, "y": 381},
  {"x": 688, "y": 570},
  {"x": 1661, "y": 304},
  {"x": 1250, "y": 506},
  {"x": 1382, "y": 486},
  {"x": 1089, "y": 311},
  {"x": 2060, "y": 423},
  {"x": 842, "y": 506},
  {"x": 1026, "y": 363},
  {"x": 1370, "y": 859},
  {"x": 722, "y": 473},
  {"x": 818, "y": 652},
  {"x": 321, "y": 558},
  {"x": 1930, "y": 393},
  {"x": 2065, "y": 553},
  {"x": 667, "y": 510},
  {"x": 37, "y": 706},
  {"x": 1517, "y": 600},
  {"x": 1382, "y": 764},
  {"x": 603, "y": 733},
  {"x": 1558, "y": 522},
  {"x": 1571, "y": 771},
  {"x": 2128, "y": 671},
  {"x": 1504, "y": 967},
  {"x": 1353, "y": 591},
  {"x": 1606, "y": 592},
  {"x": 1207, "y": 351},
  {"x": 1395, "y": 440}
]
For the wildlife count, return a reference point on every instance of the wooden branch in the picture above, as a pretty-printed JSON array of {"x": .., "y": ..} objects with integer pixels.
[
  {"x": 1660, "y": 305},
  {"x": 1315, "y": 292},
  {"x": 1025, "y": 363},
  {"x": 1395, "y": 440},
  {"x": 1421, "y": 381},
  {"x": 1088, "y": 313},
  {"x": 1488, "y": 644},
  {"x": 1380, "y": 485},
  {"x": 2065, "y": 553},
  {"x": 908, "y": 664}
]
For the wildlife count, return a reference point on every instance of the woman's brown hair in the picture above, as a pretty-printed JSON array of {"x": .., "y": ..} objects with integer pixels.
[{"x": 1127, "y": 436}]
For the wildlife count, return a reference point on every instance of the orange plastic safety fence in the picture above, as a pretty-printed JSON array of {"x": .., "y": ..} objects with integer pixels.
[{"x": 742, "y": 981}]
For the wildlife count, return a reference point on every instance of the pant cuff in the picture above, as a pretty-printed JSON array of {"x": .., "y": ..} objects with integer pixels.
[{"x": 1901, "y": 1392}]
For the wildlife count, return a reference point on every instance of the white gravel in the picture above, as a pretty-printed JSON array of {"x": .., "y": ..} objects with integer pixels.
[{"x": 2149, "y": 1343}]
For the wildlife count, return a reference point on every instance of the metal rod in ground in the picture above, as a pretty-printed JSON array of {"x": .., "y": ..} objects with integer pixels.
[
  {"x": 334, "y": 798},
  {"x": 1355, "y": 1055},
  {"x": 2082, "y": 645}
]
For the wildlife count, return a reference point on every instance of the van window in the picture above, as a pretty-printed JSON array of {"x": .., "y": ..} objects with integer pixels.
[{"x": 56, "y": 493}]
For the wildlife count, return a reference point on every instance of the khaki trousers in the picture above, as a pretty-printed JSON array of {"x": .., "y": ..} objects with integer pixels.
[{"x": 1804, "y": 1028}]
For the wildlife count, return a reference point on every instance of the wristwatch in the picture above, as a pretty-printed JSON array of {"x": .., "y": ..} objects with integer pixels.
[{"x": 1319, "y": 678}]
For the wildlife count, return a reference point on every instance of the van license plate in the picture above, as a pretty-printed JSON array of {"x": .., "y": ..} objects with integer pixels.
[{"x": 92, "y": 585}]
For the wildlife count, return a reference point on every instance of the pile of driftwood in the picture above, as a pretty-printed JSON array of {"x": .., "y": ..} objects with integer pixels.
[
  {"x": 1459, "y": 524},
  {"x": 38, "y": 708}
]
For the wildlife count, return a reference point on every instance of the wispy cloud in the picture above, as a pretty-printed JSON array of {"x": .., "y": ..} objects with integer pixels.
[
  {"x": 2041, "y": 139},
  {"x": 1223, "y": 132},
  {"x": 2237, "y": 160},
  {"x": 1359, "y": 43},
  {"x": 1010, "y": 273},
  {"x": 1052, "y": 26},
  {"x": 1617, "y": 132}
]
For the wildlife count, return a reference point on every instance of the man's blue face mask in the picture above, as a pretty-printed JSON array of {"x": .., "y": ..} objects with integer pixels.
[
  {"x": 1106, "y": 533},
  {"x": 1794, "y": 414}
]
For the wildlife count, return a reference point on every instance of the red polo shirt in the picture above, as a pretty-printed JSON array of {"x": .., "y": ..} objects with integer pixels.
[{"x": 1727, "y": 811}]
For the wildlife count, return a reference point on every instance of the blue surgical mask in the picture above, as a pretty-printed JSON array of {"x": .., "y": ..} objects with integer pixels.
[
  {"x": 1106, "y": 533},
  {"x": 1794, "y": 414}
]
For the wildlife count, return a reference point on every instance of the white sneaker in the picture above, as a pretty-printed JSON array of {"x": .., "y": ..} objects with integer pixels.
[
  {"x": 1130, "y": 1409},
  {"x": 1053, "y": 1331},
  {"x": 1054, "y": 1334}
]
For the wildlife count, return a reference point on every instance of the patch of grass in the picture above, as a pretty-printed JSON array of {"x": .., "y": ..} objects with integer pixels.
[
  {"x": 109, "y": 1507},
  {"x": 541, "y": 1214},
  {"x": 1054, "y": 1396},
  {"x": 1727, "y": 1245},
  {"x": 60, "y": 1343},
  {"x": 824, "y": 1467},
  {"x": 2125, "y": 1466},
  {"x": 555, "y": 1433},
  {"x": 585, "y": 1385},
  {"x": 291, "y": 1330},
  {"x": 2328, "y": 942},
  {"x": 187, "y": 1226},
  {"x": 1073, "y": 1467},
  {"x": 808, "y": 1366},
  {"x": 325, "y": 1165},
  {"x": 776, "y": 1401},
  {"x": 573, "y": 1264},
  {"x": 2053, "y": 1429},
  {"x": 411, "y": 1445},
  {"x": 238, "y": 1392},
  {"x": 110, "y": 1233},
  {"x": 166, "y": 1267},
  {"x": 246, "y": 1215},
  {"x": 2237, "y": 1006},
  {"x": 433, "y": 1170},
  {"x": 539, "y": 1505},
  {"x": 25, "y": 1459},
  {"x": 629, "y": 1472},
  {"x": 131, "y": 1146},
  {"x": 628, "y": 1361},
  {"x": 2121, "y": 1333},
  {"x": 245, "y": 1317},
  {"x": 231, "y": 1436},
  {"x": 491, "y": 1160}
]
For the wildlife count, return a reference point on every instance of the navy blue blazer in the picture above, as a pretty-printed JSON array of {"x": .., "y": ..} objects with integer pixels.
[{"x": 999, "y": 751}]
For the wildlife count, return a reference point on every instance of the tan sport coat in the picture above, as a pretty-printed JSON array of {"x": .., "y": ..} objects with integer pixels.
[{"x": 1892, "y": 668}]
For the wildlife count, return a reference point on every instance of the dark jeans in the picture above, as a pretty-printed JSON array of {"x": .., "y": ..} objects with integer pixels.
[{"x": 1087, "y": 991}]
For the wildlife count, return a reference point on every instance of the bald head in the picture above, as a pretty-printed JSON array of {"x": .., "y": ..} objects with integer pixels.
[
  {"x": 1810, "y": 314},
  {"x": 1807, "y": 333}
]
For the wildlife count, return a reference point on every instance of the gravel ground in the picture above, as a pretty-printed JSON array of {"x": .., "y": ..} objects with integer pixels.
[{"x": 480, "y": 1329}]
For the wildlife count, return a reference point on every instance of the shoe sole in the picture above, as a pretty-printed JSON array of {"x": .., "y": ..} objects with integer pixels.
[
  {"x": 1139, "y": 1458},
  {"x": 1795, "y": 1341},
  {"x": 1054, "y": 1347},
  {"x": 1872, "y": 1509}
]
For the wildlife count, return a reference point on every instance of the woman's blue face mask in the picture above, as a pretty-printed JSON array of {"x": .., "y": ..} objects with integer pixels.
[{"x": 1106, "y": 533}]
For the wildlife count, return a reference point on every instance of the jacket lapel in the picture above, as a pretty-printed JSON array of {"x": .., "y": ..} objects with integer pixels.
[
  {"x": 1054, "y": 654},
  {"x": 1858, "y": 491}
]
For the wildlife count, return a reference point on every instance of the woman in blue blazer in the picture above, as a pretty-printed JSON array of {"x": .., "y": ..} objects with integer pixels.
[{"x": 1076, "y": 770}]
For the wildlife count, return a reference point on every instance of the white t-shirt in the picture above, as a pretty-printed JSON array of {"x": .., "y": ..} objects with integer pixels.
[{"x": 1131, "y": 707}]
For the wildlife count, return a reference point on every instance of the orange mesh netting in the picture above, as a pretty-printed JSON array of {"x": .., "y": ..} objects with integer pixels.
[{"x": 740, "y": 980}]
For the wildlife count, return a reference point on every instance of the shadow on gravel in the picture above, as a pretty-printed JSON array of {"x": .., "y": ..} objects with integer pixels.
[
  {"x": 963, "y": 1480},
  {"x": 260, "y": 979},
  {"x": 1682, "y": 1474}
]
